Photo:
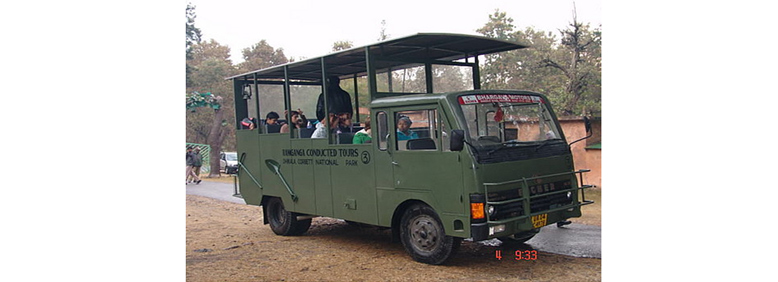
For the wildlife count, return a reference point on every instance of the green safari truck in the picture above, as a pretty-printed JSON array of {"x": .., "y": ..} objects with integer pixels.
[{"x": 444, "y": 159}]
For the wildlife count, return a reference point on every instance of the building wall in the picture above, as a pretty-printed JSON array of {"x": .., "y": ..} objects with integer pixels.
[{"x": 574, "y": 129}]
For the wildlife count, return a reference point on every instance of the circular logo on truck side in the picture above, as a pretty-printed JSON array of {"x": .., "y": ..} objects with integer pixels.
[{"x": 365, "y": 157}]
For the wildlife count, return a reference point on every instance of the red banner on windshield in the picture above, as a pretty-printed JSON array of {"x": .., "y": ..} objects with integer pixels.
[{"x": 498, "y": 98}]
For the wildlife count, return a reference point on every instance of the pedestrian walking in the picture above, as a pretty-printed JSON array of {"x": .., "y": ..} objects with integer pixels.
[{"x": 194, "y": 162}]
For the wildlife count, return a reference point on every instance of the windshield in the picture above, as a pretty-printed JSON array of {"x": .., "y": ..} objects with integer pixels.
[
  {"x": 503, "y": 121},
  {"x": 508, "y": 118},
  {"x": 231, "y": 156}
]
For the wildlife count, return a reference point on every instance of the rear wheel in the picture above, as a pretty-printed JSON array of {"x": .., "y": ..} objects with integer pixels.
[
  {"x": 284, "y": 222},
  {"x": 423, "y": 236}
]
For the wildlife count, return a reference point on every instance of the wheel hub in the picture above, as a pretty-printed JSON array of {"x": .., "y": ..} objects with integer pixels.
[{"x": 424, "y": 234}]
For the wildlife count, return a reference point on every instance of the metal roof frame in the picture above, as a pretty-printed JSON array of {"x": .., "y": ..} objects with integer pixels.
[{"x": 418, "y": 49}]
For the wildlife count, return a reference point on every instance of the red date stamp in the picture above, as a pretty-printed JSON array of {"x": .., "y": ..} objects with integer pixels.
[{"x": 518, "y": 255}]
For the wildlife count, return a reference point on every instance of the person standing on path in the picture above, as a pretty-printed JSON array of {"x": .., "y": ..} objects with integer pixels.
[
  {"x": 189, "y": 159},
  {"x": 196, "y": 163}
]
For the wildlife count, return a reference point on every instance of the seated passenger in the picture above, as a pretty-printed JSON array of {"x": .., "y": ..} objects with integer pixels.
[
  {"x": 363, "y": 136},
  {"x": 271, "y": 118},
  {"x": 404, "y": 129},
  {"x": 321, "y": 129},
  {"x": 298, "y": 120},
  {"x": 271, "y": 123},
  {"x": 344, "y": 123},
  {"x": 248, "y": 123}
]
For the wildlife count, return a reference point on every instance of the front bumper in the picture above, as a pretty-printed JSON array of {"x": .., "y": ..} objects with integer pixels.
[{"x": 530, "y": 207}]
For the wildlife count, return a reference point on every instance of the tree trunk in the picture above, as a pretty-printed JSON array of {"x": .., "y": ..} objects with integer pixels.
[{"x": 215, "y": 140}]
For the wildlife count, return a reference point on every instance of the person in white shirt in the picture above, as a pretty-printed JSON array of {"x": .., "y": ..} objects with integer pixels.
[{"x": 321, "y": 129}]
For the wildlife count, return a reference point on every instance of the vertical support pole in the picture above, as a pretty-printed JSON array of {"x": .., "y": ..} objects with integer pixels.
[
  {"x": 287, "y": 99},
  {"x": 371, "y": 76},
  {"x": 389, "y": 79},
  {"x": 356, "y": 96},
  {"x": 256, "y": 98},
  {"x": 476, "y": 74},
  {"x": 428, "y": 76},
  {"x": 241, "y": 109},
  {"x": 326, "y": 100}
]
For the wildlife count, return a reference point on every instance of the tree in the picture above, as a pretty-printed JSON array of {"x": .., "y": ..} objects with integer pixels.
[
  {"x": 193, "y": 35},
  {"x": 261, "y": 55},
  {"x": 499, "y": 68},
  {"x": 567, "y": 72},
  {"x": 210, "y": 65},
  {"x": 383, "y": 36},
  {"x": 216, "y": 135},
  {"x": 342, "y": 45},
  {"x": 581, "y": 68}
]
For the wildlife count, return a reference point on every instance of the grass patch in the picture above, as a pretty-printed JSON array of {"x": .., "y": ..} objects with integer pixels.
[{"x": 592, "y": 213}]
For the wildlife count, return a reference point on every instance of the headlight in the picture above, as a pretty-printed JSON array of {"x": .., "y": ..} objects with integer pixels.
[{"x": 490, "y": 210}]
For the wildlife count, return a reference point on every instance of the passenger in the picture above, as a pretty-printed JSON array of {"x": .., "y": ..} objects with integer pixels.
[
  {"x": 271, "y": 118},
  {"x": 248, "y": 123},
  {"x": 321, "y": 129},
  {"x": 298, "y": 120},
  {"x": 344, "y": 123},
  {"x": 404, "y": 129},
  {"x": 338, "y": 100},
  {"x": 363, "y": 136}
]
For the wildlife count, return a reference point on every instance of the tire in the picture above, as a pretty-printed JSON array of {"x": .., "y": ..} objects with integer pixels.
[
  {"x": 424, "y": 238},
  {"x": 519, "y": 238},
  {"x": 283, "y": 222}
]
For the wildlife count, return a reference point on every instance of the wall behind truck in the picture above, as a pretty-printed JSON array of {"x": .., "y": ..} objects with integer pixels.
[{"x": 586, "y": 153}]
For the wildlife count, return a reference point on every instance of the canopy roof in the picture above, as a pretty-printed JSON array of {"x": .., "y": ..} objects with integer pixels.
[{"x": 411, "y": 50}]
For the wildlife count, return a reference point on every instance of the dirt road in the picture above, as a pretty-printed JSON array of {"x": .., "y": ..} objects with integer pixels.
[{"x": 228, "y": 242}]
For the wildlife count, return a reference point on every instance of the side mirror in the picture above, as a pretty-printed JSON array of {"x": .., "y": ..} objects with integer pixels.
[
  {"x": 588, "y": 124},
  {"x": 457, "y": 140}
]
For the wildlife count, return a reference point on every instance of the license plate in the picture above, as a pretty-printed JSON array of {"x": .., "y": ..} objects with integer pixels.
[{"x": 540, "y": 220}]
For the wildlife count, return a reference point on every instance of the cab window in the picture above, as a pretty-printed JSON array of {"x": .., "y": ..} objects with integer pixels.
[{"x": 416, "y": 130}]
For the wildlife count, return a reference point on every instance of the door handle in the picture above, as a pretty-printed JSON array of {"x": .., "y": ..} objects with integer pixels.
[{"x": 395, "y": 163}]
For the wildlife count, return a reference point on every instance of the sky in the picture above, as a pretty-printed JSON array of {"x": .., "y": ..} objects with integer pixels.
[{"x": 306, "y": 28}]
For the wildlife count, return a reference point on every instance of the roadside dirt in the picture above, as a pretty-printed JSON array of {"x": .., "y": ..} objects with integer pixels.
[{"x": 228, "y": 242}]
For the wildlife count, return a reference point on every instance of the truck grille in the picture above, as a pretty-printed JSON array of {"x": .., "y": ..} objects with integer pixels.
[{"x": 539, "y": 204}]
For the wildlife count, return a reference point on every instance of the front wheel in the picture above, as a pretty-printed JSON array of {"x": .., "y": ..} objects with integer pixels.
[
  {"x": 284, "y": 222},
  {"x": 423, "y": 236}
]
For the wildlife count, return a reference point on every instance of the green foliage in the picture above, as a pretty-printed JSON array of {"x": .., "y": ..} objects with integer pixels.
[
  {"x": 193, "y": 36},
  {"x": 342, "y": 45},
  {"x": 198, "y": 100},
  {"x": 568, "y": 71},
  {"x": 261, "y": 55},
  {"x": 210, "y": 65}
]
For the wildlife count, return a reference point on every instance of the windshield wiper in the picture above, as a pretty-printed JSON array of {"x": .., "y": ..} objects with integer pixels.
[
  {"x": 507, "y": 144},
  {"x": 503, "y": 146},
  {"x": 544, "y": 143}
]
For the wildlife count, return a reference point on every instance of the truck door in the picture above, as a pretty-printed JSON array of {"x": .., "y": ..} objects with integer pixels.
[{"x": 421, "y": 159}]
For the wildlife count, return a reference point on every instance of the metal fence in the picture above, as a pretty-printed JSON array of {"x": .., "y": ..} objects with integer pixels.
[{"x": 205, "y": 154}]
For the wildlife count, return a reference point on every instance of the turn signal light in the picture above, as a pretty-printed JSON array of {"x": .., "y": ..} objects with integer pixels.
[{"x": 477, "y": 210}]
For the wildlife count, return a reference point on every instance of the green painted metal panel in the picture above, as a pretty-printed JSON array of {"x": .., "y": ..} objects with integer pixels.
[{"x": 249, "y": 173}]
